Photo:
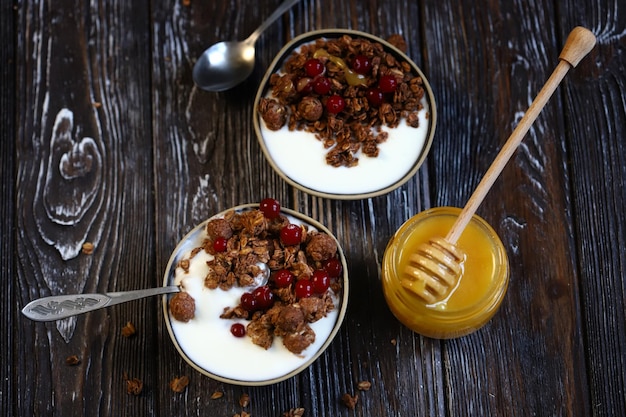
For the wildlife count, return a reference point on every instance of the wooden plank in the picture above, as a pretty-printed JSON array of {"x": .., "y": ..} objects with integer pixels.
[
  {"x": 488, "y": 63},
  {"x": 8, "y": 310},
  {"x": 595, "y": 102},
  {"x": 84, "y": 175}
]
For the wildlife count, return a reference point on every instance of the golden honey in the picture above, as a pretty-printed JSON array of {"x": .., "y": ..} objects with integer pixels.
[{"x": 480, "y": 289}]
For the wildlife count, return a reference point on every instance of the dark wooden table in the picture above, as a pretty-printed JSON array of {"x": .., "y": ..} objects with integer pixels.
[{"x": 106, "y": 140}]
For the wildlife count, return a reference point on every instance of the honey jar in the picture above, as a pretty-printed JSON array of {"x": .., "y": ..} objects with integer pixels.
[{"x": 479, "y": 291}]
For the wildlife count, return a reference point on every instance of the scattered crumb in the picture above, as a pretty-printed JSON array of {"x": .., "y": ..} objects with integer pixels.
[
  {"x": 294, "y": 412},
  {"x": 133, "y": 385},
  {"x": 72, "y": 360},
  {"x": 129, "y": 330},
  {"x": 179, "y": 384},
  {"x": 364, "y": 385},
  {"x": 244, "y": 400},
  {"x": 350, "y": 400},
  {"x": 97, "y": 104},
  {"x": 394, "y": 342},
  {"x": 242, "y": 414},
  {"x": 88, "y": 248},
  {"x": 217, "y": 395},
  {"x": 186, "y": 2}
]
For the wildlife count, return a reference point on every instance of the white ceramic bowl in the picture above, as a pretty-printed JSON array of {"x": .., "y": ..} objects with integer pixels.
[
  {"x": 299, "y": 158},
  {"x": 212, "y": 350}
]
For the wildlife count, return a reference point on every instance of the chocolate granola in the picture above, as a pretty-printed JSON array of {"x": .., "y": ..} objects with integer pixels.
[
  {"x": 252, "y": 239},
  {"x": 356, "y": 128}
]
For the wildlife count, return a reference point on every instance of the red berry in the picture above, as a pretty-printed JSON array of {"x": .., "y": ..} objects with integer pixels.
[
  {"x": 248, "y": 302},
  {"x": 333, "y": 267},
  {"x": 321, "y": 85},
  {"x": 388, "y": 83},
  {"x": 264, "y": 297},
  {"x": 304, "y": 288},
  {"x": 320, "y": 281},
  {"x": 238, "y": 330},
  {"x": 335, "y": 104},
  {"x": 291, "y": 234},
  {"x": 361, "y": 64},
  {"x": 375, "y": 96},
  {"x": 220, "y": 244},
  {"x": 313, "y": 67},
  {"x": 270, "y": 208},
  {"x": 283, "y": 278}
]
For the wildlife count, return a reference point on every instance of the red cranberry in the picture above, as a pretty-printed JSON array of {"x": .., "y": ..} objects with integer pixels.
[
  {"x": 361, "y": 64},
  {"x": 320, "y": 281},
  {"x": 220, "y": 244},
  {"x": 388, "y": 83},
  {"x": 333, "y": 267},
  {"x": 238, "y": 330},
  {"x": 291, "y": 234},
  {"x": 313, "y": 67},
  {"x": 335, "y": 104},
  {"x": 248, "y": 302},
  {"x": 270, "y": 208},
  {"x": 374, "y": 96},
  {"x": 321, "y": 85},
  {"x": 264, "y": 297},
  {"x": 304, "y": 288},
  {"x": 283, "y": 278}
]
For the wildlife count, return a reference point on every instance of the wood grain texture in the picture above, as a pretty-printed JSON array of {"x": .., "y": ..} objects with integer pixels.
[{"x": 106, "y": 140}]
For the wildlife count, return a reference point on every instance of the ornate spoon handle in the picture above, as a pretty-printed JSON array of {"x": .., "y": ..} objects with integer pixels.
[{"x": 63, "y": 306}]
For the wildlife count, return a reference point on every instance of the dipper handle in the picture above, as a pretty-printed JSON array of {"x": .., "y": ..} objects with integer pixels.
[{"x": 579, "y": 43}]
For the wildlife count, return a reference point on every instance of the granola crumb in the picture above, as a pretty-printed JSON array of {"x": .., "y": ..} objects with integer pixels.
[
  {"x": 350, "y": 400},
  {"x": 87, "y": 248},
  {"x": 179, "y": 384},
  {"x": 134, "y": 386},
  {"x": 242, "y": 414},
  {"x": 72, "y": 360},
  {"x": 364, "y": 385},
  {"x": 244, "y": 400},
  {"x": 294, "y": 412},
  {"x": 394, "y": 342},
  {"x": 217, "y": 395},
  {"x": 129, "y": 330}
]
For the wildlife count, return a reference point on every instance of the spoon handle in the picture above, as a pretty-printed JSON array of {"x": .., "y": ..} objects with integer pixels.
[
  {"x": 286, "y": 5},
  {"x": 578, "y": 44},
  {"x": 62, "y": 306}
]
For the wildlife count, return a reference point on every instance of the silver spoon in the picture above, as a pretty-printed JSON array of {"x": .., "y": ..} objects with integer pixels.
[
  {"x": 226, "y": 64},
  {"x": 58, "y": 307}
]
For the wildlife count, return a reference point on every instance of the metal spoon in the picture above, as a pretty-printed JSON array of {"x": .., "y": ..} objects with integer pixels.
[
  {"x": 62, "y": 306},
  {"x": 226, "y": 64}
]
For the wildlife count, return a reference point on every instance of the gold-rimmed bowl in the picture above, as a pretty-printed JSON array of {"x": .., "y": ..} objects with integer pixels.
[
  {"x": 207, "y": 344},
  {"x": 300, "y": 158}
]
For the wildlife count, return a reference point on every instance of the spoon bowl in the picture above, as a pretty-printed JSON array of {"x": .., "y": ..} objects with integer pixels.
[
  {"x": 224, "y": 65},
  {"x": 227, "y": 64}
]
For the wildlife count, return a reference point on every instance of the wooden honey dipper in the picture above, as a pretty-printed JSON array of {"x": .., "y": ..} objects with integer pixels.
[{"x": 435, "y": 268}]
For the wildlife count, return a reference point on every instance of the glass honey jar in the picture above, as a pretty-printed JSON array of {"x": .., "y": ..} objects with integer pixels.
[{"x": 479, "y": 291}]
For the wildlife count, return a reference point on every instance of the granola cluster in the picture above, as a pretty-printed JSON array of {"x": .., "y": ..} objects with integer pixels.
[
  {"x": 356, "y": 127},
  {"x": 251, "y": 240}
]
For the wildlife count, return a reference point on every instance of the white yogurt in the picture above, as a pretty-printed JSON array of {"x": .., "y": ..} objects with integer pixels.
[
  {"x": 302, "y": 157},
  {"x": 207, "y": 341}
]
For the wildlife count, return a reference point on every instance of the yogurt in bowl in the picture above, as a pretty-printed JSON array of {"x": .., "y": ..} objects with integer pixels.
[
  {"x": 343, "y": 114},
  {"x": 230, "y": 326}
]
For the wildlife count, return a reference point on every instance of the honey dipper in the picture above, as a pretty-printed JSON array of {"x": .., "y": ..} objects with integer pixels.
[{"x": 435, "y": 268}]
